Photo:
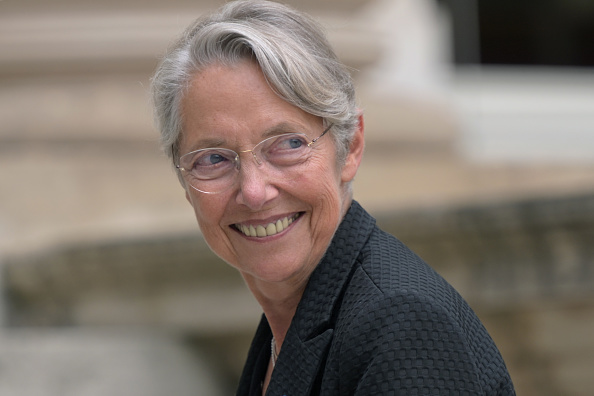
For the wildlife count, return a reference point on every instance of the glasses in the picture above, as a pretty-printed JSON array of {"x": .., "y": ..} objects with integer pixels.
[{"x": 215, "y": 170}]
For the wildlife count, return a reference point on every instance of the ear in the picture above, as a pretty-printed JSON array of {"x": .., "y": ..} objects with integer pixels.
[{"x": 355, "y": 155}]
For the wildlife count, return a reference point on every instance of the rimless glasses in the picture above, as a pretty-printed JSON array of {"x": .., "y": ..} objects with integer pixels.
[{"x": 215, "y": 170}]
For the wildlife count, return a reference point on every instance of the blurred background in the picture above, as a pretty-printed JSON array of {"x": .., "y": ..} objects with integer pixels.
[{"x": 480, "y": 156}]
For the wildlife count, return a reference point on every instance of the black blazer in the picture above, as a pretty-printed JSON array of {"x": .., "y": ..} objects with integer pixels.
[{"x": 376, "y": 320}]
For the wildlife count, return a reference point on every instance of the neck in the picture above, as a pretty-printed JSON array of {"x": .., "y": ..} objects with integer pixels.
[{"x": 278, "y": 301}]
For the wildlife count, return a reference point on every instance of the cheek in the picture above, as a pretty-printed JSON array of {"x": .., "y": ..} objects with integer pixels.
[
  {"x": 323, "y": 168},
  {"x": 320, "y": 190},
  {"x": 326, "y": 197},
  {"x": 208, "y": 212}
]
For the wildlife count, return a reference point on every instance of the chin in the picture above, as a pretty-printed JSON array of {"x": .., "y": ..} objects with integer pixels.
[{"x": 273, "y": 273}]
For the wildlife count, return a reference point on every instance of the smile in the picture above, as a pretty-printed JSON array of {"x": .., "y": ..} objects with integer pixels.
[{"x": 261, "y": 231}]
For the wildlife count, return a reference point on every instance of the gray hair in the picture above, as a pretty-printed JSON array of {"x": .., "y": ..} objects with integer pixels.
[{"x": 291, "y": 50}]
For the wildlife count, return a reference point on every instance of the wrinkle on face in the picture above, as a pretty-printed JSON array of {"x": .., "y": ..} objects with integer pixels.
[{"x": 236, "y": 106}]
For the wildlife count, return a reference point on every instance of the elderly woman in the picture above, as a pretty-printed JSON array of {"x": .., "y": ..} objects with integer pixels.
[{"x": 260, "y": 120}]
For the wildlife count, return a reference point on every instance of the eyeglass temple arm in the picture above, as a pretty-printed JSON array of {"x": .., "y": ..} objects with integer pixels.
[{"x": 319, "y": 137}]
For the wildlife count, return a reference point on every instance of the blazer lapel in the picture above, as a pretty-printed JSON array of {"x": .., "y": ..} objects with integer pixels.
[
  {"x": 298, "y": 364},
  {"x": 306, "y": 344}
]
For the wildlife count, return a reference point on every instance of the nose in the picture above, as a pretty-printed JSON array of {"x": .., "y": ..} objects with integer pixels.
[
  {"x": 254, "y": 156},
  {"x": 255, "y": 187}
]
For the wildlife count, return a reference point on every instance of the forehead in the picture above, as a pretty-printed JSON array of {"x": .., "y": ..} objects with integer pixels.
[{"x": 230, "y": 105}]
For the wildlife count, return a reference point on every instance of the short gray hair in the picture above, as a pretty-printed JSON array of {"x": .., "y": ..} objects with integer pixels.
[{"x": 291, "y": 50}]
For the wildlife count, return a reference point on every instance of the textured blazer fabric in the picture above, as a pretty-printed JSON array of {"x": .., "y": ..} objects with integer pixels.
[{"x": 376, "y": 320}]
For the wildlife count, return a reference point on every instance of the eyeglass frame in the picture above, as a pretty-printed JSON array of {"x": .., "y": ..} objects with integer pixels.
[{"x": 237, "y": 158}]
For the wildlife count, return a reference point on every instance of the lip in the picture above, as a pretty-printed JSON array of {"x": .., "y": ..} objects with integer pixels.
[{"x": 266, "y": 228}]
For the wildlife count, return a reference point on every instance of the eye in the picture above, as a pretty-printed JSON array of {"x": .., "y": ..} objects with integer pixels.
[
  {"x": 210, "y": 159},
  {"x": 286, "y": 150},
  {"x": 295, "y": 143},
  {"x": 208, "y": 162},
  {"x": 289, "y": 142}
]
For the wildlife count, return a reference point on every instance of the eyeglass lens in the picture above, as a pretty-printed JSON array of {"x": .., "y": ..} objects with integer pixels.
[{"x": 214, "y": 170}]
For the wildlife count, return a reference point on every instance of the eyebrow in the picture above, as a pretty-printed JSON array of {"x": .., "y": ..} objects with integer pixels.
[
  {"x": 278, "y": 129},
  {"x": 205, "y": 143}
]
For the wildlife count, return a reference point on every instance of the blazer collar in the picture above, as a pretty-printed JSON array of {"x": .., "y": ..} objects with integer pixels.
[
  {"x": 306, "y": 343},
  {"x": 328, "y": 280}
]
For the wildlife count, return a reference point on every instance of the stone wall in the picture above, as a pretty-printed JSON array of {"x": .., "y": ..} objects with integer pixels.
[{"x": 526, "y": 267}]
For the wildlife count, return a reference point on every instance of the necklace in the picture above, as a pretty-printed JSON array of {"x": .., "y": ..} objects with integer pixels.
[{"x": 273, "y": 354}]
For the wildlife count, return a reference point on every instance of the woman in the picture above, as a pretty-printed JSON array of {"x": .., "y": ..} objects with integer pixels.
[{"x": 260, "y": 119}]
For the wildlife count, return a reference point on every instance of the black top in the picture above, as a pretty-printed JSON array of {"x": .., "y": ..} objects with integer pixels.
[{"x": 376, "y": 320}]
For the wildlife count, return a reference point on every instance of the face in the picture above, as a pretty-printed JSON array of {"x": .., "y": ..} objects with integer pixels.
[{"x": 233, "y": 107}]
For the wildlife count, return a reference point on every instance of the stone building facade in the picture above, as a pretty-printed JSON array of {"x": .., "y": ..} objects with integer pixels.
[{"x": 107, "y": 286}]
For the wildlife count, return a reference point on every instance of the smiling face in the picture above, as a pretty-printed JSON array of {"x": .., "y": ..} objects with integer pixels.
[{"x": 272, "y": 229}]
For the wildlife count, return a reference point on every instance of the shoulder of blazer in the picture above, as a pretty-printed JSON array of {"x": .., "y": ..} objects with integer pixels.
[{"x": 397, "y": 308}]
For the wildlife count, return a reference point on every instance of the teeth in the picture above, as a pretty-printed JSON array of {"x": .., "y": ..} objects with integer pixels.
[{"x": 271, "y": 229}]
